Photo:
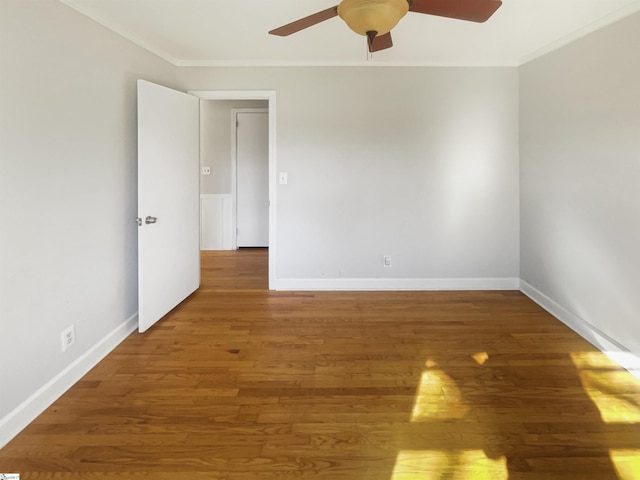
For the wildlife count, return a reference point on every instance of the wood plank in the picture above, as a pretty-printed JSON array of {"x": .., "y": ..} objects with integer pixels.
[{"x": 242, "y": 383}]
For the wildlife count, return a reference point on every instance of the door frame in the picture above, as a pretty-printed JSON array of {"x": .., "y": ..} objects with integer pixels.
[{"x": 270, "y": 96}]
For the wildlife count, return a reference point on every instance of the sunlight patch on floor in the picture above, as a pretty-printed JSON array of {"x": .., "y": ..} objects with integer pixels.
[
  {"x": 627, "y": 463},
  {"x": 593, "y": 360},
  {"x": 452, "y": 465},
  {"x": 612, "y": 389},
  {"x": 480, "y": 357},
  {"x": 627, "y": 360},
  {"x": 438, "y": 397}
]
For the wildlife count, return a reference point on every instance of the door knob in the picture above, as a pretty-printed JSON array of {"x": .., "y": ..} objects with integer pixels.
[{"x": 149, "y": 220}]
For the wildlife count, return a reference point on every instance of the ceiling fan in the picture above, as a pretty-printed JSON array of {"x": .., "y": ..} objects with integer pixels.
[{"x": 375, "y": 18}]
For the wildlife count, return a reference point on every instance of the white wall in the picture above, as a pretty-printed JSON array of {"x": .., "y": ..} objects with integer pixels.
[
  {"x": 67, "y": 194},
  {"x": 417, "y": 163},
  {"x": 580, "y": 164}
]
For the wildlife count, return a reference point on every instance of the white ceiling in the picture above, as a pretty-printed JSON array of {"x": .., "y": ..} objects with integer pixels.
[{"x": 234, "y": 32}]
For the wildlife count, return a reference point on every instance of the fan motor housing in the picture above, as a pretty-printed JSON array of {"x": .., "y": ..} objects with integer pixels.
[{"x": 380, "y": 16}]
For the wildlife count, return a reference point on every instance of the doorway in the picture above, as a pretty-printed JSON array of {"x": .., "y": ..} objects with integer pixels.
[
  {"x": 250, "y": 168},
  {"x": 225, "y": 204}
]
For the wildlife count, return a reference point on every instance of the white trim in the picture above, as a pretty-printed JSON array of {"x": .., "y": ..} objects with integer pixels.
[
  {"x": 607, "y": 345},
  {"x": 270, "y": 96},
  {"x": 14, "y": 422},
  {"x": 348, "y": 63},
  {"x": 391, "y": 284},
  {"x": 234, "y": 94},
  {"x": 579, "y": 325}
]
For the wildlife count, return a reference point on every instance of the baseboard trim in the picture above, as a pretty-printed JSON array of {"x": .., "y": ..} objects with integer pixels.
[
  {"x": 390, "y": 284},
  {"x": 603, "y": 342},
  {"x": 27, "y": 411}
]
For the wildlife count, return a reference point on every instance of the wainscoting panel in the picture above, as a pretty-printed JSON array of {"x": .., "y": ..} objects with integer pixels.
[{"x": 216, "y": 218}]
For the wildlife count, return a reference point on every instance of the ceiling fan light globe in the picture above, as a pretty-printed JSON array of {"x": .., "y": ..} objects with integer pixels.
[{"x": 379, "y": 16}]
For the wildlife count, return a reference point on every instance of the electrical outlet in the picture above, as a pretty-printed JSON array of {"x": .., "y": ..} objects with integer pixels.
[
  {"x": 206, "y": 170},
  {"x": 68, "y": 337},
  {"x": 386, "y": 260}
]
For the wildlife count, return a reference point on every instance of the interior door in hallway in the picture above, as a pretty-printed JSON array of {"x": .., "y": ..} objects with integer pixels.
[
  {"x": 252, "y": 178},
  {"x": 168, "y": 200}
]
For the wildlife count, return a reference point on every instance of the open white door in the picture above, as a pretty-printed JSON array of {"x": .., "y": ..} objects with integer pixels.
[{"x": 168, "y": 200}]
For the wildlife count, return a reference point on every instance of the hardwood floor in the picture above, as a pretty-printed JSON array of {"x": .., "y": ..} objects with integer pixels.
[{"x": 242, "y": 383}]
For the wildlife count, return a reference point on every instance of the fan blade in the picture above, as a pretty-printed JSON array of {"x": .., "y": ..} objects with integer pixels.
[
  {"x": 471, "y": 10},
  {"x": 380, "y": 42},
  {"x": 305, "y": 22}
]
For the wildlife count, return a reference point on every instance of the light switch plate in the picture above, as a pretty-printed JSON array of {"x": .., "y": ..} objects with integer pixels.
[
  {"x": 283, "y": 178},
  {"x": 206, "y": 170}
]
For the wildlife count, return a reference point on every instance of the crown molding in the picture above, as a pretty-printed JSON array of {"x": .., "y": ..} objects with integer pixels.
[
  {"x": 363, "y": 63},
  {"x": 620, "y": 14},
  {"x": 114, "y": 28}
]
